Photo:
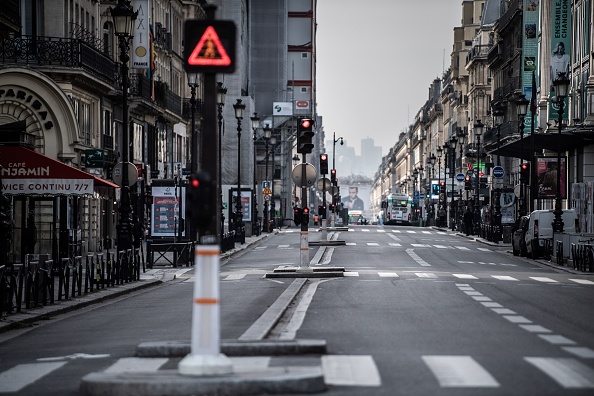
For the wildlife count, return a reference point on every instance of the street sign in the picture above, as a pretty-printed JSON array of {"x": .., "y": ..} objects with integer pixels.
[
  {"x": 118, "y": 174},
  {"x": 324, "y": 184},
  {"x": 310, "y": 175},
  {"x": 209, "y": 46},
  {"x": 460, "y": 177},
  {"x": 498, "y": 172}
]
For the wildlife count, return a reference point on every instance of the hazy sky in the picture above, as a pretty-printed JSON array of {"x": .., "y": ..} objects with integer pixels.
[{"x": 375, "y": 62}]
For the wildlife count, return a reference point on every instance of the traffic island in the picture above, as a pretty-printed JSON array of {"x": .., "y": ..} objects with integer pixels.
[
  {"x": 327, "y": 243},
  {"x": 270, "y": 380},
  {"x": 306, "y": 272}
]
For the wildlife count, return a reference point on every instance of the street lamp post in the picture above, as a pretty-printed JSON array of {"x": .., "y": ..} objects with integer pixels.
[
  {"x": 498, "y": 121},
  {"x": 239, "y": 109},
  {"x": 521, "y": 109},
  {"x": 461, "y": 138},
  {"x": 272, "y": 204},
  {"x": 295, "y": 160},
  {"x": 453, "y": 141},
  {"x": 446, "y": 150},
  {"x": 437, "y": 218},
  {"x": 334, "y": 140},
  {"x": 561, "y": 85},
  {"x": 255, "y": 229},
  {"x": 415, "y": 176},
  {"x": 478, "y": 131},
  {"x": 432, "y": 160},
  {"x": 221, "y": 94},
  {"x": 420, "y": 169},
  {"x": 267, "y": 136},
  {"x": 193, "y": 84},
  {"x": 123, "y": 19}
]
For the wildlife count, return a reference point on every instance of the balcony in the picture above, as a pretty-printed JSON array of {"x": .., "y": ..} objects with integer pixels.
[
  {"x": 187, "y": 109},
  {"x": 477, "y": 52},
  {"x": 140, "y": 86},
  {"x": 52, "y": 51}
]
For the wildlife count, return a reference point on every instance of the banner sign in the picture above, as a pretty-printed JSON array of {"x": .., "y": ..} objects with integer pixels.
[
  {"x": 141, "y": 42},
  {"x": 546, "y": 177},
  {"x": 529, "y": 52},
  {"x": 560, "y": 49}
]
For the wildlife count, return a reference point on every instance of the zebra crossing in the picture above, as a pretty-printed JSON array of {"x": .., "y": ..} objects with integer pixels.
[
  {"x": 384, "y": 244},
  {"x": 406, "y": 274},
  {"x": 447, "y": 371}
]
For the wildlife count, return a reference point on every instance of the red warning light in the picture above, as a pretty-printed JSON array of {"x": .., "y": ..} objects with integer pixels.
[
  {"x": 323, "y": 157},
  {"x": 209, "y": 51},
  {"x": 305, "y": 123},
  {"x": 195, "y": 183}
]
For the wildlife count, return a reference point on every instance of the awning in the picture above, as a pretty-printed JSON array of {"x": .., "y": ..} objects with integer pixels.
[
  {"x": 544, "y": 141},
  {"x": 27, "y": 172}
]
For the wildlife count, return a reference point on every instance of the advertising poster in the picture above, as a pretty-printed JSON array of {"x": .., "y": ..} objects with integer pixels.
[
  {"x": 165, "y": 211},
  {"x": 246, "y": 203},
  {"x": 546, "y": 177},
  {"x": 357, "y": 197},
  {"x": 560, "y": 49}
]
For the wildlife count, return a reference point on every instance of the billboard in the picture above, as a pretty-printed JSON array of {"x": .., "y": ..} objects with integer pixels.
[
  {"x": 546, "y": 177},
  {"x": 357, "y": 197}
]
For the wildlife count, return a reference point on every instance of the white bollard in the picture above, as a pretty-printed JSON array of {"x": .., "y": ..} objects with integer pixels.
[
  {"x": 324, "y": 230},
  {"x": 205, "y": 357},
  {"x": 304, "y": 252}
]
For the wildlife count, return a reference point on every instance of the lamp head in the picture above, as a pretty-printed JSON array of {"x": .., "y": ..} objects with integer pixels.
[
  {"x": 239, "y": 108},
  {"x": 123, "y": 16}
]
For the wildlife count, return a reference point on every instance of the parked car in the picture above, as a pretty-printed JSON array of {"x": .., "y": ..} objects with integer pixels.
[
  {"x": 540, "y": 229},
  {"x": 519, "y": 230}
]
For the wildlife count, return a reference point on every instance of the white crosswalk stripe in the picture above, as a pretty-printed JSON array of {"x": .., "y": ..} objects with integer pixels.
[
  {"x": 543, "y": 279},
  {"x": 459, "y": 372},
  {"x": 350, "y": 273},
  {"x": 583, "y": 281},
  {"x": 462, "y": 248},
  {"x": 567, "y": 372},
  {"x": 504, "y": 277},
  {"x": 17, "y": 377},
  {"x": 234, "y": 277},
  {"x": 372, "y": 244},
  {"x": 388, "y": 274},
  {"x": 465, "y": 276},
  {"x": 395, "y": 244},
  {"x": 425, "y": 275},
  {"x": 484, "y": 249},
  {"x": 350, "y": 370},
  {"x": 136, "y": 365}
]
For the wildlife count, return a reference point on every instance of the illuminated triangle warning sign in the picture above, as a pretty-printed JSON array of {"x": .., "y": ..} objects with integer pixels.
[
  {"x": 209, "y": 46},
  {"x": 209, "y": 51}
]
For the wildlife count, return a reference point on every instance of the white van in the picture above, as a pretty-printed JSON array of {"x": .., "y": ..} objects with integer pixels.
[{"x": 540, "y": 228}]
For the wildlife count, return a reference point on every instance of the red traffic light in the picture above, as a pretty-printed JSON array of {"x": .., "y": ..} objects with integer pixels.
[
  {"x": 524, "y": 166},
  {"x": 306, "y": 210},
  {"x": 333, "y": 171},
  {"x": 467, "y": 178},
  {"x": 195, "y": 183},
  {"x": 324, "y": 157},
  {"x": 305, "y": 123}
]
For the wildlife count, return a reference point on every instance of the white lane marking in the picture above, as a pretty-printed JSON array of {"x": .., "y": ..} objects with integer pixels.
[
  {"x": 465, "y": 276},
  {"x": 567, "y": 372},
  {"x": 441, "y": 246},
  {"x": 260, "y": 247},
  {"x": 462, "y": 248},
  {"x": 503, "y": 311},
  {"x": 414, "y": 256},
  {"x": 397, "y": 231},
  {"x": 462, "y": 284},
  {"x": 582, "y": 352},
  {"x": 425, "y": 275},
  {"x": 465, "y": 288},
  {"x": 74, "y": 356},
  {"x": 19, "y": 376},
  {"x": 583, "y": 281},
  {"x": 351, "y": 244},
  {"x": 294, "y": 324},
  {"x": 365, "y": 230},
  {"x": 283, "y": 246},
  {"x": 426, "y": 232},
  {"x": 557, "y": 339},
  {"x": 388, "y": 274},
  {"x": 372, "y": 244},
  {"x": 517, "y": 319},
  {"x": 543, "y": 279},
  {"x": 350, "y": 273},
  {"x": 481, "y": 298},
  {"x": 411, "y": 232},
  {"x": 249, "y": 364},
  {"x": 473, "y": 293},
  {"x": 535, "y": 329},
  {"x": 490, "y": 304},
  {"x": 381, "y": 230},
  {"x": 395, "y": 244},
  {"x": 459, "y": 372},
  {"x": 504, "y": 277},
  {"x": 420, "y": 245},
  {"x": 234, "y": 277},
  {"x": 136, "y": 365},
  {"x": 350, "y": 370},
  {"x": 509, "y": 265},
  {"x": 484, "y": 249}
]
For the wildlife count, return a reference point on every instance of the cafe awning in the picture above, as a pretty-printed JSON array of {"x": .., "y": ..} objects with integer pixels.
[
  {"x": 27, "y": 172},
  {"x": 545, "y": 141}
]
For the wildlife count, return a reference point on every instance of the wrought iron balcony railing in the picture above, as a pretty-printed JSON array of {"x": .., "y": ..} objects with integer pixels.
[{"x": 52, "y": 51}]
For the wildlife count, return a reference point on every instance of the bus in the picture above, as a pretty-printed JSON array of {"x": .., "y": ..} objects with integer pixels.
[
  {"x": 397, "y": 209},
  {"x": 356, "y": 217}
]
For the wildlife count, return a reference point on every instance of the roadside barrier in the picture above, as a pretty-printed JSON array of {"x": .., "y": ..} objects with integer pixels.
[
  {"x": 559, "y": 253},
  {"x": 583, "y": 256},
  {"x": 42, "y": 281}
]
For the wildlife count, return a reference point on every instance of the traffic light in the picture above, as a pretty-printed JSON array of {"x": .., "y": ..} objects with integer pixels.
[
  {"x": 297, "y": 215},
  {"x": 324, "y": 164},
  {"x": 435, "y": 188},
  {"x": 305, "y": 216},
  {"x": 525, "y": 172},
  {"x": 305, "y": 135},
  {"x": 333, "y": 178},
  {"x": 202, "y": 199},
  {"x": 321, "y": 210},
  {"x": 467, "y": 184}
]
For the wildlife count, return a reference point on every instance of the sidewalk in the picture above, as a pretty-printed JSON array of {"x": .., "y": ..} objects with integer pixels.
[{"x": 154, "y": 277}]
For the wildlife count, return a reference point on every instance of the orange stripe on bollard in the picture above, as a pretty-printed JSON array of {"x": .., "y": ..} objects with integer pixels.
[
  {"x": 206, "y": 301},
  {"x": 207, "y": 252}
]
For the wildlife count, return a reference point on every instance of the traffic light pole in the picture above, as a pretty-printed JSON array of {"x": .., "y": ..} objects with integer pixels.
[{"x": 304, "y": 235}]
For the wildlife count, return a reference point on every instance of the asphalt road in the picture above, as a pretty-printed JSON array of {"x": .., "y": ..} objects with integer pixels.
[{"x": 418, "y": 312}]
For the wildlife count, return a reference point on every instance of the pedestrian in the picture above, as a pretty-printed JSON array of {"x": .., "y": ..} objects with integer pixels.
[{"x": 468, "y": 221}]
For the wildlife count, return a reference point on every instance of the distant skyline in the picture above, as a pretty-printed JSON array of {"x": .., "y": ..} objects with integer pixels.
[{"x": 375, "y": 62}]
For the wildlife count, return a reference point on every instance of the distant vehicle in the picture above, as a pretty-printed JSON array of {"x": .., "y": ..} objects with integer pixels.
[
  {"x": 540, "y": 229},
  {"x": 518, "y": 236},
  {"x": 355, "y": 216},
  {"x": 397, "y": 209}
]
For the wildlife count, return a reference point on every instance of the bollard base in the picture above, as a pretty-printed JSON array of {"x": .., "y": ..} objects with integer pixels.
[{"x": 205, "y": 365}]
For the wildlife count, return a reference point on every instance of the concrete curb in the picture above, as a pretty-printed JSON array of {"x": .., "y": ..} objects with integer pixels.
[
  {"x": 235, "y": 348},
  {"x": 274, "y": 380}
]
